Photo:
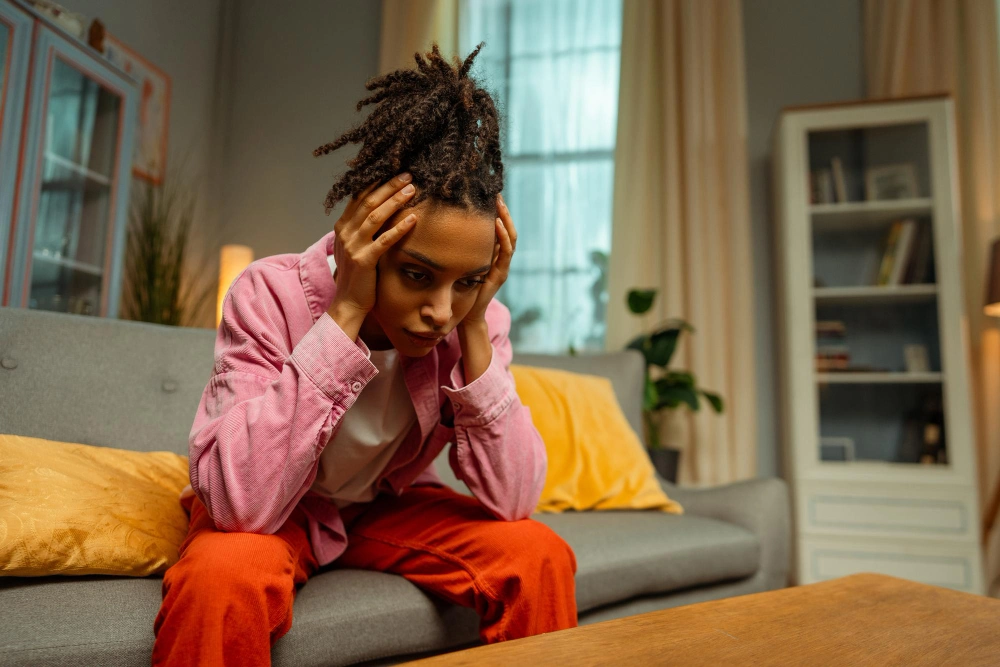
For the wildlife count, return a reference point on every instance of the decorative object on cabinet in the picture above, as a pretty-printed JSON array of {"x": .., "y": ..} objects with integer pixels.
[
  {"x": 892, "y": 181},
  {"x": 71, "y": 22},
  {"x": 881, "y": 276},
  {"x": 150, "y": 158},
  {"x": 65, "y": 226},
  {"x": 161, "y": 286}
]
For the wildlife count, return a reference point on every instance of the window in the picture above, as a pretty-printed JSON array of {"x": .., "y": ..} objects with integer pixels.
[{"x": 552, "y": 67}]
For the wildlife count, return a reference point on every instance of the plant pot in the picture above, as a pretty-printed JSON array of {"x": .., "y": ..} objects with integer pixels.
[{"x": 665, "y": 461}]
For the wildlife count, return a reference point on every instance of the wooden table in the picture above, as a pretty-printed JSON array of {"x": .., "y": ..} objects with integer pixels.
[{"x": 863, "y": 619}]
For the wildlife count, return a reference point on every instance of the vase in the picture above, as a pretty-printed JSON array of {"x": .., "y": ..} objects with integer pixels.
[{"x": 665, "y": 461}]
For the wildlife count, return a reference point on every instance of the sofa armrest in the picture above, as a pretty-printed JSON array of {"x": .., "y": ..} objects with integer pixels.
[{"x": 758, "y": 505}]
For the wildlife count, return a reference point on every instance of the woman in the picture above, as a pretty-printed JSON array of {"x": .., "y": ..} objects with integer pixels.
[{"x": 334, "y": 391}]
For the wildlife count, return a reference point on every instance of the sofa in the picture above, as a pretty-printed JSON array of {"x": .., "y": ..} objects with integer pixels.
[{"x": 135, "y": 386}]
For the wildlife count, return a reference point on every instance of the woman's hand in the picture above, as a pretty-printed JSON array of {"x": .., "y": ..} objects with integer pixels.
[
  {"x": 503, "y": 252},
  {"x": 357, "y": 254}
]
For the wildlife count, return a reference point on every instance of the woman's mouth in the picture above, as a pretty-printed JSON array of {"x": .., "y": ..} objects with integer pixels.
[{"x": 423, "y": 340}]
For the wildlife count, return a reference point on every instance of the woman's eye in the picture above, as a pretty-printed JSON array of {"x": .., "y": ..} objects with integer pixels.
[
  {"x": 471, "y": 283},
  {"x": 415, "y": 276}
]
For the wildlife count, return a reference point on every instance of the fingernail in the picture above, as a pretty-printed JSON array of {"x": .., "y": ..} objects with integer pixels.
[
  {"x": 408, "y": 189},
  {"x": 406, "y": 177},
  {"x": 410, "y": 218}
]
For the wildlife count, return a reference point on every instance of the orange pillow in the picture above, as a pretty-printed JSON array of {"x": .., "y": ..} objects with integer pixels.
[
  {"x": 596, "y": 461},
  {"x": 78, "y": 509}
]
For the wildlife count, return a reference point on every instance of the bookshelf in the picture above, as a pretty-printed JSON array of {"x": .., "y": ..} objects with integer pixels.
[{"x": 875, "y": 410}]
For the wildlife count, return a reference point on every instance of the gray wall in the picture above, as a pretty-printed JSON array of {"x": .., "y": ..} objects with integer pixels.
[
  {"x": 298, "y": 72},
  {"x": 797, "y": 52}
]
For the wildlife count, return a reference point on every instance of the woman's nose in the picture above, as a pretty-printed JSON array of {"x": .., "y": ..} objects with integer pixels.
[{"x": 438, "y": 312}]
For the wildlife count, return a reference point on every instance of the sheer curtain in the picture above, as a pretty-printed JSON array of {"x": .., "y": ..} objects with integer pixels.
[
  {"x": 682, "y": 221},
  {"x": 552, "y": 67}
]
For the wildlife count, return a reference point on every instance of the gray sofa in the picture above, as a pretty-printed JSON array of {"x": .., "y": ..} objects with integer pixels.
[{"x": 136, "y": 386}]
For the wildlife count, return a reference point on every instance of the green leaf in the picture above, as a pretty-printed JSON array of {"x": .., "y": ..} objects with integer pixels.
[
  {"x": 715, "y": 400},
  {"x": 650, "y": 396},
  {"x": 672, "y": 396},
  {"x": 638, "y": 343},
  {"x": 662, "y": 344},
  {"x": 681, "y": 378},
  {"x": 639, "y": 300}
]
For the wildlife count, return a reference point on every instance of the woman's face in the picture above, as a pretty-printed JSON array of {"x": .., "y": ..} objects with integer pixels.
[{"x": 429, "y": 280}]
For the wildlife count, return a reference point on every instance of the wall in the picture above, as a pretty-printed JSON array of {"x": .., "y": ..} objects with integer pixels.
[
  {"x": 298, "y": 73},
  {"x": 796, "y": 53}
]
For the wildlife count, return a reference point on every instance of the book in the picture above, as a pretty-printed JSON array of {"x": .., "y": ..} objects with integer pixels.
[
  {"x": 839, "y": 184},
  {"x": 920, "y": 260},
  {"x": 903, "y": 251},
  {"x": 822, "y": 187},
  {"x": 830, "y": 329},
  {"x": 889, "y": 254}
]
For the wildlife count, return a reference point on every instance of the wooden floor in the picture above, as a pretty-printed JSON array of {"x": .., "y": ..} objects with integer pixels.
[{"x": 863, "y": 619}]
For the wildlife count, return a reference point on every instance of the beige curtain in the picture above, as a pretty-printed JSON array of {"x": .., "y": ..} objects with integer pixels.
[
  {"x": 681, "y": 216},
  {"x": 914, "y": 47},
  {"x": 409, "y": 26}
]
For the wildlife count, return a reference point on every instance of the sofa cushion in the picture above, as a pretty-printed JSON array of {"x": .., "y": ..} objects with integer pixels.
[
  {"x": 624, "y": 554},
  {"x": 344, "y": 616}
]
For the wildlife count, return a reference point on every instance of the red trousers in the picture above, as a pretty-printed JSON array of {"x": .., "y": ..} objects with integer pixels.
[{"x": 229, "y": 597}]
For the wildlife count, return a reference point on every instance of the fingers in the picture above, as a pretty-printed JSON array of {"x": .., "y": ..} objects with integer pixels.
[
  {"x": 508, "y": 222},
  {"x": 390, "y": 237},
  {"x": 352, "y": 206},
  {"x": 374, "y": 196},
  {"x": 375, "y": 219},
  {"x": 502, "y": 264}
]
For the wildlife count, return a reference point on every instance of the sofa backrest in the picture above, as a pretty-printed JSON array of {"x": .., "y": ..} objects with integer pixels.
[{"x": 134, "y": 385}]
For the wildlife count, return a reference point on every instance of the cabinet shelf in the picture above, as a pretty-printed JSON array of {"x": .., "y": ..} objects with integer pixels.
[
  {"x": 879, "y": 378},
  {"x": 68, "y": 263},
  {"x": 860, "y": 214},
  {"x": 875, "y": 294},
  {"x": 78, "y": 169}
]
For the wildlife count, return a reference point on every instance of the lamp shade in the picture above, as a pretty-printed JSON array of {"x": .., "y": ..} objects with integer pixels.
[
  {"x": 232, "y": 260},
  {"x": 992, "y": 306}
]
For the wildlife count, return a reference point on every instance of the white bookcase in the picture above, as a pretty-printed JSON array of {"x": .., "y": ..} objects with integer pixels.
[{"x": 854, "y": 437}]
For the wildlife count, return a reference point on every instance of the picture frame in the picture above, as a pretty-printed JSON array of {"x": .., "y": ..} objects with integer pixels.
[
  {"x": 891, "y": 181},
  {"x": 150, "y": 154}
]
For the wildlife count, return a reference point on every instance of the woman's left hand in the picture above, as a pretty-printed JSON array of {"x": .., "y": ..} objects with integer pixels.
[{"x": 506, "y": 242}]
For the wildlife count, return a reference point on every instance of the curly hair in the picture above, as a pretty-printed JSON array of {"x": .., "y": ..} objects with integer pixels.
[{"x": 434, "y": 121}]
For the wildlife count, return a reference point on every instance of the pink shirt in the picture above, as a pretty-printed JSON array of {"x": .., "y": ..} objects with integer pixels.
[{"x": 285, "y": 374}]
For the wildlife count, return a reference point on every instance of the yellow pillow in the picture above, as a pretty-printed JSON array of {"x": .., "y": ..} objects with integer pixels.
[
  {"x": 78, "y": 509},
  {"x": 596, "y": 461}
]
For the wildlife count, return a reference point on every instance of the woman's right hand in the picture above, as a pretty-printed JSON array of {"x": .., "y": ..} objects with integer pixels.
[{"x": 356, "y": 253}]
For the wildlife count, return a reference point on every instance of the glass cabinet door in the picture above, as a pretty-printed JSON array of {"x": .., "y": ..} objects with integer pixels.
[
  {"x": 70, "y": 248},
  {"x": 15, "y": 54},
  {"x": 75, "y": 204}
]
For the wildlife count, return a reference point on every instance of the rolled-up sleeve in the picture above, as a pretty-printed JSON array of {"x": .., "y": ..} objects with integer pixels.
[{"x": 497, "y": 452}]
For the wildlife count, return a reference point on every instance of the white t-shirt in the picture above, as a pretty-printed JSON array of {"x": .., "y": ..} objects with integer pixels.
[{"x": 370, "y": 433}]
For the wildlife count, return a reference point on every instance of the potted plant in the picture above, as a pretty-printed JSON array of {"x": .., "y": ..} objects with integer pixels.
[
  {"x": 666, "y": 389},
  {"x": 162, "y": 285}
]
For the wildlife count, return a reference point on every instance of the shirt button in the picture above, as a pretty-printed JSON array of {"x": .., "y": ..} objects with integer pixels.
[{"x": 356, "y": 387}]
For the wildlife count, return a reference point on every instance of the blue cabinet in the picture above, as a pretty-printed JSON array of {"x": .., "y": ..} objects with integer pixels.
[{"x": 70, "y": 186}]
